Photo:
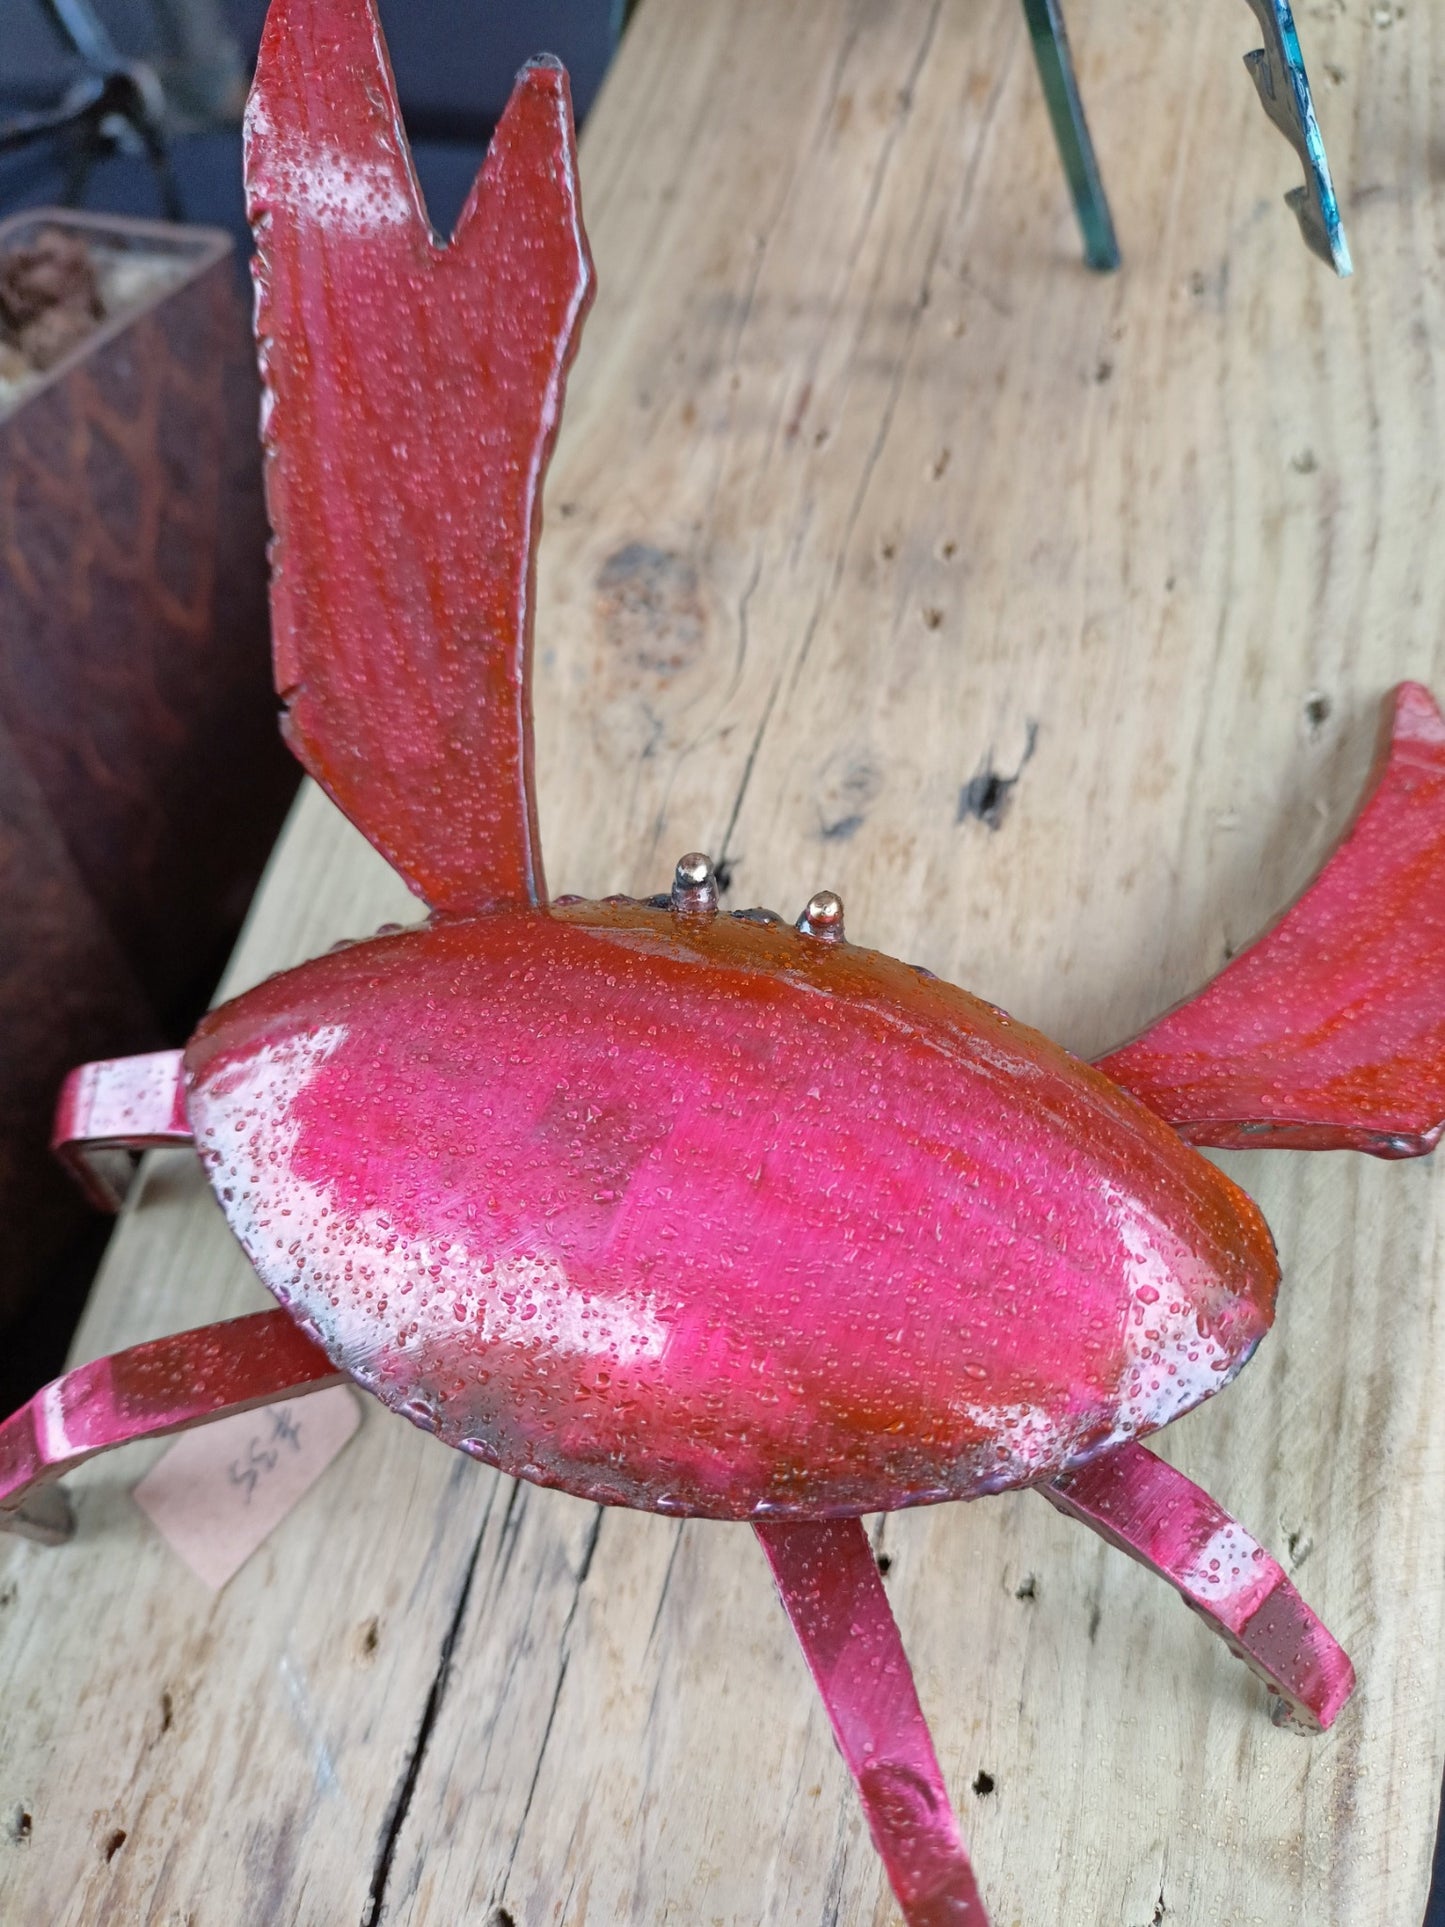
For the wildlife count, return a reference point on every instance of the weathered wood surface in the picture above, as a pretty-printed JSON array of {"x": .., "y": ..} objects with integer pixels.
[{"x": 868, "y": 490}]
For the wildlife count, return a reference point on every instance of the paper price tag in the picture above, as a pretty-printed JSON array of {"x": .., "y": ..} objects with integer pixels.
[{"x": 222, "y": 1489}]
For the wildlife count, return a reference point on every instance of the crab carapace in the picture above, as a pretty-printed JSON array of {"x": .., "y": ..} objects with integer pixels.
[{"x": 696, "y": 1212}]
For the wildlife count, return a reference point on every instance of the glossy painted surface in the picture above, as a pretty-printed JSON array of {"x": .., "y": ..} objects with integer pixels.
[
  {"x": 708, "y": 1216},
  {"x": 671, "y": 1210},
  {"x": 1156, "y": 1515},
  {"x": 165, "y": 1385},
  {"x": 1328, "y": 1033},
  {"x": 114, "y": 1107},
  {"x": 829, "y": 1583},
  {"x": 412, "y": 396}
]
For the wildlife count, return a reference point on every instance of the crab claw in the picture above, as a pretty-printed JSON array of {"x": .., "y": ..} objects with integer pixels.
[
  {"x": 412, "y": 396},
  {"x": 1328, "y": 1032}
]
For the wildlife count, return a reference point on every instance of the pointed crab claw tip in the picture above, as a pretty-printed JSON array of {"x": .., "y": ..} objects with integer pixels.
[
  {"x": 541, "y": 64},
  {"x": 1416, "y": 710}
]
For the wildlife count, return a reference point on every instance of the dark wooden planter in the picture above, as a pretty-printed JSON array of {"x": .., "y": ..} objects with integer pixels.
[{"x": 141, "y": 776}]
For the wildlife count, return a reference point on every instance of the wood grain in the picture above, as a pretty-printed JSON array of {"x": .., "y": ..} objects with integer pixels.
[{"x": 868, "y": 491}]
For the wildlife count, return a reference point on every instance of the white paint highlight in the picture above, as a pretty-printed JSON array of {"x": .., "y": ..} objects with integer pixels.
[
  {"x": 372, "y": 1290},
  {"x": 1170, "y": 1364}
]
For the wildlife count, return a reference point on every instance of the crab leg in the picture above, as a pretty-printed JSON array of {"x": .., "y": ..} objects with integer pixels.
[
  {"x": 164, "y": 1385},
  {"x": 119, "y": 1105},
  {"x": 831, "y": 1591},
  {"x": 1156, "y": 1515}
]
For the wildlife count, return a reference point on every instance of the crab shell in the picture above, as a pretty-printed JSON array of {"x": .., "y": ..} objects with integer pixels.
[{"x": 705, "y": 1215}]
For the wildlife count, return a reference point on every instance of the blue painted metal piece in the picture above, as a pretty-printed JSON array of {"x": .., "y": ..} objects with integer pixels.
[
  {"x": 1278, "y": 71},
  {"x": 1283, "y": 86}
]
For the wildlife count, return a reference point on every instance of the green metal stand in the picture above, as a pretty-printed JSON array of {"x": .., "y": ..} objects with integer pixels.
[{"x": 1076, "y": 149}]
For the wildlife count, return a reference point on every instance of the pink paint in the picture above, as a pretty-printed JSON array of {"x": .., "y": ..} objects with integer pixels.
[
  {"x": 710, "y": 1217},
  {"x": 1158, "y": 1517},
  {"x": 1328, "y": 1033},
  {"x": 832, "y": 1593},
  {"x": 403, "y": 562},
  {"x": 668, "y": 1209},
  {"x": 164, "y": 1385},
  {"x": 110, "y": 1109}
]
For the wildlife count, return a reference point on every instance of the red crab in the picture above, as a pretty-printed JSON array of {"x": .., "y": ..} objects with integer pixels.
[{"x": 700, "y": 1213}]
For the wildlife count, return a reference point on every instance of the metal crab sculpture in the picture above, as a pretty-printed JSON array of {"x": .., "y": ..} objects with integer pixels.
[{"x": 699, "y": 1213}]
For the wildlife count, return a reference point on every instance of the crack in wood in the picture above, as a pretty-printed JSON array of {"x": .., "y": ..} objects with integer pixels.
[
  {"x": 541, "y": 1754},
  {"x": 791, "y": 674},
  {"x": 401, "y": 1806},
  {"x": 839, "y": 1872},
  {"x": 879, "y": 173},
  {"x": 725, "y": 865},
  {"x": 511, "y": 1529},
  {"x": 588, "y": 1552},
  {"x": 564, "y": 1650},
  {"x": 666, "y": 1582},
  {"x": 724, "y": 853},
  {"x": 1161, "y": 1911}
]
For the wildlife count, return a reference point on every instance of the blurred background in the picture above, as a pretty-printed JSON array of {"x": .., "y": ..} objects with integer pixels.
[
  {"x": 454, "y": 62},
  {"x": 142, "y": 779}
]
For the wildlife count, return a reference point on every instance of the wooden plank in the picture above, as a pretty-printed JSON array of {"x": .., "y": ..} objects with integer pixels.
[{"x": 865, "y": 487}]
